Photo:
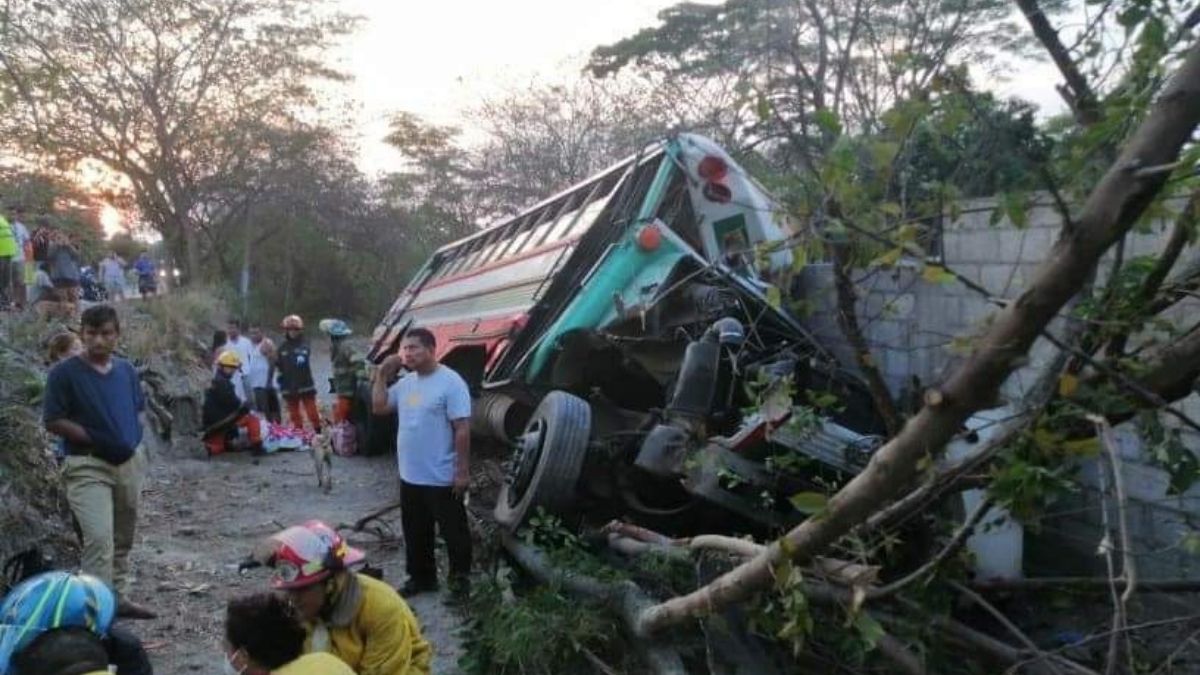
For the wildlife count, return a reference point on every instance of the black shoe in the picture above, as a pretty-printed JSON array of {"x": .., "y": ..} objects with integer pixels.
[{"x": 413, "y": 587}]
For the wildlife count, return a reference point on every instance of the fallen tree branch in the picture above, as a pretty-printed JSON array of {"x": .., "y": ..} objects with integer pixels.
[
  {"x": 946, "y": 478},
  {"x": 1136, "y": 389},
  {"x": 1111, "y": 209},
  {"x": 1181, "y": 233},
  {"x": 1120, "y": 600},
  {"x": 1006, "y": 623},
  {"x": 951, "y": 547},
  {"x": 624, "y": 597},
  {"x": 742, "y": 547},
  {"x": 374, "y": 515},
  {"x": 1169, "y": 373},
  {"x": 1099, "y": 636},
  {"x": 900, "y": 655}
]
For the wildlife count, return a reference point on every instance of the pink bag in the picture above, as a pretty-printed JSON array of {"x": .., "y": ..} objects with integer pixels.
[{"x": 344, "y": 443}]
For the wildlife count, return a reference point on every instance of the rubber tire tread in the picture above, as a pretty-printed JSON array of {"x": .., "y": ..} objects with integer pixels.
[{"x": 568, "y": 429}]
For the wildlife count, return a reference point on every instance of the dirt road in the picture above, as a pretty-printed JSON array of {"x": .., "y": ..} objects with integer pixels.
[{"x": 200, "y": 517}]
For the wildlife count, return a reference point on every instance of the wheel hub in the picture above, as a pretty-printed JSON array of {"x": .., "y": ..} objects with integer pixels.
[{"x": 527, "y": 454}]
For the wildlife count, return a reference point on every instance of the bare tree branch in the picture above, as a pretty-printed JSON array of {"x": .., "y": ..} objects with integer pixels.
[{"x": 1079, "y": 94}]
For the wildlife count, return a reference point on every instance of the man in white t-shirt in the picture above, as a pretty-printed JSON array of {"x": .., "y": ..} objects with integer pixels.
[
  {"x": 21, "y": 234},
  {"x": 112, "y": 275},
  {"x": 433, "y": 442},
  {"x": 241, "y": 345},
  {"x": 260, "y": 374}
]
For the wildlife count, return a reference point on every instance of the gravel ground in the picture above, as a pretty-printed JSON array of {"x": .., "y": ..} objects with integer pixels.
[{"x": 200, "y": 516}]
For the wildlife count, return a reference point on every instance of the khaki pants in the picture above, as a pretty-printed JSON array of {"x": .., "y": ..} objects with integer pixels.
[{"x": 104, "y": 499}]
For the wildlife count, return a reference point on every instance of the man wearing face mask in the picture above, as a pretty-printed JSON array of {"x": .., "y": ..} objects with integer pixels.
[
  {"x": 264, "y": 636},
  {"x": 358, "y": 619}
]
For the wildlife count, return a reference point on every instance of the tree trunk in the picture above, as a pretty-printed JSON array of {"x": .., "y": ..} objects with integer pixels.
[
  {"x": 847, "y": 317},
  {"x": 1110, "y": 210},
  {"x": 244, "y": 281},
  {"x": 192, "y": 249}
]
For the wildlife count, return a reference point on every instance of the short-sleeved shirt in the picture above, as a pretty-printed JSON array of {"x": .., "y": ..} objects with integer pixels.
[
  {"x": 111, "y": 271},
  {"x": 258, "y": 367},
  {"x": 106, "y": 405},
  {"x": 8, "y": 239},
  {"x": 64, "y": 264},
  {"x": 425, "y": 407},
  {"x": 245, "y": 350},
  {"x": 144, "y": 267},
  {"x": 21, "y": 234}
]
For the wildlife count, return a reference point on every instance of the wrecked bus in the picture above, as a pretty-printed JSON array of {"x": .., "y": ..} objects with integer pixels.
[{"x": 619, "y": 335}]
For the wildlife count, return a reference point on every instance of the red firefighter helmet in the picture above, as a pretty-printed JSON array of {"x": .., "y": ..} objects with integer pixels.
[{"x": 309, "y": 553}]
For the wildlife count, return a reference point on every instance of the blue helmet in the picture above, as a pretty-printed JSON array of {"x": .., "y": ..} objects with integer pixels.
[
  {"x": 49, "y": 601},
  {"x": 335, "y": 327}
]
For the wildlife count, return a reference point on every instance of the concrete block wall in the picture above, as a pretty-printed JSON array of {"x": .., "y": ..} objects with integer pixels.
[{"x": 918, "y": 330}]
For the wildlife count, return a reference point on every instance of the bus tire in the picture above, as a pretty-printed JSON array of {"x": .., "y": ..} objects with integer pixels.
[
  {"x": 376, "y": 434},
  {"x": 545, "y": 467}
]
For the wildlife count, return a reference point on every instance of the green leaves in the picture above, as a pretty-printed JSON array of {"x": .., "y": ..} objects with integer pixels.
[
  {"x": 1011, "y": 205},
  {"x": 938, "y": 274},
  {"x": 869, "y": 629},
  {"x": 827, "y": 121},
  {"x": 809, "y": 503},
  {"x": 888, "y": 258}
]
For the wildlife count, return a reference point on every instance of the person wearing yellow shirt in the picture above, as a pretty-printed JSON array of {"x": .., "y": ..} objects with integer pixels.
[
  {"x": 264, "y": 636},
  {"x": 357, "y": 618}
]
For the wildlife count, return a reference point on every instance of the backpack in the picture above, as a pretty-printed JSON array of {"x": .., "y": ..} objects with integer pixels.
[{"x": 344, "y": 442}]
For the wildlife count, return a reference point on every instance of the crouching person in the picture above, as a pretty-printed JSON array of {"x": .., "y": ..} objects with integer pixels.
[
  {"x": 265, "y": 636},
  {"x": 224, "y": 413},
  {"x": 358, "y": 619},
  {"x": 59, "y": 623}
]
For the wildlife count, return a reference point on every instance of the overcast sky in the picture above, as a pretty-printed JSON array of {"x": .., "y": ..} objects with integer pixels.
[{"x": 436, "y": 58}]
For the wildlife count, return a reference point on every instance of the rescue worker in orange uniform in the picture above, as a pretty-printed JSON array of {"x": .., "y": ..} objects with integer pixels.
[{"x": 294, "y": 362}]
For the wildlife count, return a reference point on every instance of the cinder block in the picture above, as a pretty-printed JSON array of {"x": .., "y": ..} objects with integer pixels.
[
  {"x": 997, "y": 278},
  {"x": 969, "y": 270},
  {"x": 1038, "y": 242},
  {"x": 953, "y": 247},
  {"x": 975, "y": 310},
  {"x": 889, "y": 333},
  {"x": 1144, "y": 482},
  {"x": 1011, "y": 243},
  {"x": 983, "y": 246},
  {"x": 897, "y": 364}
]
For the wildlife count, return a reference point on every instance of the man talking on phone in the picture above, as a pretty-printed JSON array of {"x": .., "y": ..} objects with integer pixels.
[{"x": 433, "y": 442}]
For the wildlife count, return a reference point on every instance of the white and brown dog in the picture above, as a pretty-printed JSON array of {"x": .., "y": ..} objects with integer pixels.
[{"x": 322, "y": 455}]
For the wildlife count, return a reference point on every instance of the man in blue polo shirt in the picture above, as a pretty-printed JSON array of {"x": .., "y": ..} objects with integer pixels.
[{"x": 92, "y": 401}]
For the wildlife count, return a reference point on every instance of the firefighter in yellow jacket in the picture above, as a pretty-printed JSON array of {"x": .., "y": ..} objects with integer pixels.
[{"x": 361, "y": 620}]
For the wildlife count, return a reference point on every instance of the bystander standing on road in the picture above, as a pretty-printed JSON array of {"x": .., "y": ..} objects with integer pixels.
[
  {"x": 63, "y": 259},
  {"x": 433, "y": 439},
  {"x": 8, "y": 252},
  {"x": 23, "y": 259},
  {"x": 112, "y": 276},
  {"x": 260, "y": 370},
  {"x": 146, "y": 282},
  {"x": 93, "y": 401},
  {"x": 241, "y": 345}
]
